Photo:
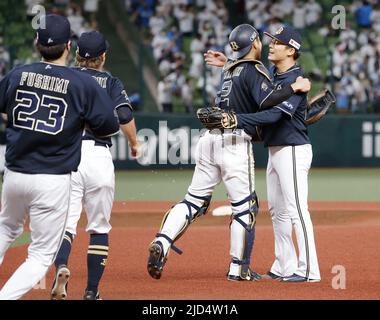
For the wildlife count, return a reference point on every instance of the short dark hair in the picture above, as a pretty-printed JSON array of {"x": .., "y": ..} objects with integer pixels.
[
  {"x": 52, "y": 52},
  {"x": 296, "y": 55}
]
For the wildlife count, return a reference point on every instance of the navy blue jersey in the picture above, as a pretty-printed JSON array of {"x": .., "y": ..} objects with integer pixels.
[
  {"x": 244, "y": 87},
  {"x": 291, "y": 129},
  {"x": 115, "y": 89},
  {"x": 47, "y": 106}
]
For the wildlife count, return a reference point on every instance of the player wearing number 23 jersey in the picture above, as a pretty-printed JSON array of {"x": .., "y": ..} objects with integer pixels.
[{"x": 47, "y": 106}]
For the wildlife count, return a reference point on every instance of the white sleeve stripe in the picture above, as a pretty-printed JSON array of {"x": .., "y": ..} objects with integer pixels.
[
  {"x": 123, "y": 104},
  {"x": 110, "y": 135},
  {"x": 287, "y": 112},
  {"x": 266, "y": 98}
]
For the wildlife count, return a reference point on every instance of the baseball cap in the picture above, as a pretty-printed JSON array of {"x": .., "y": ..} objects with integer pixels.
[
  {"x": 56, "y": 30},
  {"x": 241, "y": 39},
  {"x": 92, "y": 44},
  {"x": 288, "y": 36}
]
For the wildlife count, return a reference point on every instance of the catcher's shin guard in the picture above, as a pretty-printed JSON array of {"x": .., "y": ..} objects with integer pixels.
[
  {"x": 242, "y": 239},
  {"x": 173, "y": 226}
]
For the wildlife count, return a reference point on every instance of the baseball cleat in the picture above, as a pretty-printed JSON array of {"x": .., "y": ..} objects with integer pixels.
[
  {"x": 271, "y": 276},
  {"x": 156, "y": 260},
  {"x": 297, "y": 278},
  {"x": 252, "y": 276},
  {"x": 59, "y": 291},
  {"x": 91, "y": 295}
]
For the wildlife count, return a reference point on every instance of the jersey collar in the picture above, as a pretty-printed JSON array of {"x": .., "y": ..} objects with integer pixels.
[{"x": 294, "y": 67}]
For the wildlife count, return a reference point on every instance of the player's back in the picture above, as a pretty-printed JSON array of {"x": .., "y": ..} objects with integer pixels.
[
  {"x": 46, "y": 105},
  {"x": 242, "y": 88},
  {"x": 116, "y": 92}
]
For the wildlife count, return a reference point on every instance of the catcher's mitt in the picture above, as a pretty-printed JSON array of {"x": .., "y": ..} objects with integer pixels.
[
  {"x": 216, "y": 118},
  {"x": 319, "y": 105}
]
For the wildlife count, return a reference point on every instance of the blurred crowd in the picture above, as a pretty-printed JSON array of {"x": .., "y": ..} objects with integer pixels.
[
  {"x": 171, "y": 24},
  {"x": 204, "y": 25},
  {"x": 356, "y": 60},
  {"x": 180, "y": 31},
  {"x": 81, "y": 17}
]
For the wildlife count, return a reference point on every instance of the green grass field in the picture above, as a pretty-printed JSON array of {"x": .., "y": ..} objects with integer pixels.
[
  {"x": 351, "y": 184},
  {"x": 324, "y": 185}
]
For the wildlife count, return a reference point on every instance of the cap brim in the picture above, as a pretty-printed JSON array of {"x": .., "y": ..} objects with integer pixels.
[
  {"x": 272, "y": 36},
  {"x": 241, "y": 53}
]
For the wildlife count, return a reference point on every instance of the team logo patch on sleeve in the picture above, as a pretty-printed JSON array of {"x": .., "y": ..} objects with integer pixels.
[
  {"x": 264, "y": 71},
  {"x": 288, "y": 105}
]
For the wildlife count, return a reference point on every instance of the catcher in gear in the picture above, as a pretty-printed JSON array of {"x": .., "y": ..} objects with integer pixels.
[
  {"x": 227, "y": 156},
  {"x": 284, "y": 132}
]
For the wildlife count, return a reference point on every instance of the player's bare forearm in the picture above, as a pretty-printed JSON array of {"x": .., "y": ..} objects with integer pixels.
[
  {"x": 129, "y": 131},
  {"x": 215, "y": 58}
]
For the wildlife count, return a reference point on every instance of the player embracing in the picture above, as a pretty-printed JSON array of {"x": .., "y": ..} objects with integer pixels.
[
  {"x": 227, "y": 156},
  {"x": 285, "y": 133},
  {"x": 47, "y": 106},
  {"x": 93, "y": 185}
]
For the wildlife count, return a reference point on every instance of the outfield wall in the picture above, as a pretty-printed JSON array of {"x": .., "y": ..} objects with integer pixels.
[{"x": 170, "y": 140}]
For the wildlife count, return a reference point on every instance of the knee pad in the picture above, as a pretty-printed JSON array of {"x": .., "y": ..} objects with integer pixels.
[{"x": 200, "y": 210}]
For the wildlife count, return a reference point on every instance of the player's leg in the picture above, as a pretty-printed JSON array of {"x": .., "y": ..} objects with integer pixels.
[
  {"x": 62, "y": 274},
  {"x": 297, "y": 160},
  {"x": 238, "y": 176},
  {"x": 49, "y": 202},
  {"x": 98, "y": 202},
  {"x": 13, "y": 211},
  {"x": 195, "y": 204},
  {"x": 285, "y": 263}
]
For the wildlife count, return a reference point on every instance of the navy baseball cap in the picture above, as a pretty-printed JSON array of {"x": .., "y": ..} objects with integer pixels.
[
  {"x": 56, "y": 30},
  {"x": 287, "y": 36},
  {"x": 92, "y": 44},
  {"x": 241, "y": 39}
]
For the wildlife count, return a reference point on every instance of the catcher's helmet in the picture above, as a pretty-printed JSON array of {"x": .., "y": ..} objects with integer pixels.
[{"x": 241, "y": 39}]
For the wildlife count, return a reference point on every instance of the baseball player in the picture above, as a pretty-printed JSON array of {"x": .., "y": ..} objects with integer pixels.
[
  {"x": 290, "y": 155},
  {"x": 93, "y": 185},
  {"x": 228, "y": 157},
  {"x": 47, "y": 105}
]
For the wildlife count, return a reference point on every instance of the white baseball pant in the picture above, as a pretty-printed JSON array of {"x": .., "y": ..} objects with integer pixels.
[
  {"x": 45, "y": 198},
  {"x": 287, "y": 187},
  {"x": 92, "y": 187}
]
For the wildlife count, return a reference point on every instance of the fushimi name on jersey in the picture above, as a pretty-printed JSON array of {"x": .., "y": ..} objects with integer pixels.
[{"x": 40, "y": 81}]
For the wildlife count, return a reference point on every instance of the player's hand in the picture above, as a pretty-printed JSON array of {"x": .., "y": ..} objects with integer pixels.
[
  {"x": 229, "y": 120},
  {"x": 215, "y": 58},
  {"x": 301, "y": 85},
  {"x": 135, "y": 150}
]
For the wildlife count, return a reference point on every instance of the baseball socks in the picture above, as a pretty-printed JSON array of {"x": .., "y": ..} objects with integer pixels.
[
  {"x": 64, "y": 251},
  {"x": 96, "y": 260}
]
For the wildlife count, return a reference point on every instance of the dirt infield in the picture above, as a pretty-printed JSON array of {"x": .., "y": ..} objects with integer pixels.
[{"x": 347, "y": 236}]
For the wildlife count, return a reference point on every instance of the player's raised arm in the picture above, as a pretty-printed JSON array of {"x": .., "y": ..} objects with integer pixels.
[
  {"x": 215, "y": 58},
  {"x": 124, "y": 111},
  {"x": 102, "y": 121}
]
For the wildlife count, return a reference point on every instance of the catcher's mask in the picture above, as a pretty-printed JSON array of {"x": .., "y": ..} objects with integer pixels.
[{"x": 241, "y": 39}]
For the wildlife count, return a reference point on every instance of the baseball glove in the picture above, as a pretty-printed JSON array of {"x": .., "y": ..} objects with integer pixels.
[
  {"x": 319, "y": 105},
  {"x": 216, "y": 118}
]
